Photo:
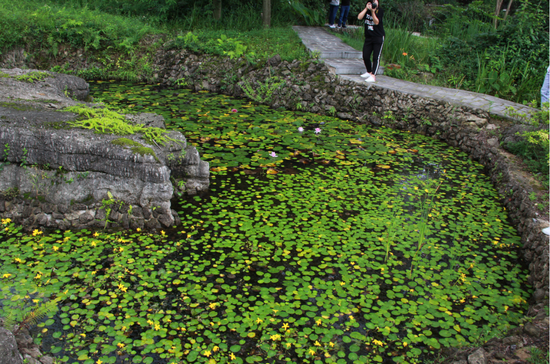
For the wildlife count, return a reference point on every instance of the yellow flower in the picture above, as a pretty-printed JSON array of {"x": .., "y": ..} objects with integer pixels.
[
  {"x": 6, "y": 275},
  {"x": 351, "y": 317},
  {"x": 331, "y": 344},
  {"x": 319, "y": 322},
  {"x": 162, "y": 233},
  {"x": 275, "y": 337},
  {"x": 405, "y": 343},
  {"x": 6, "y": 221},
  {"x": 212, "y": 305},
  {"x": 120, "y": 345},
  {"x": 207, "y": 353},
  {"x": 94, "y": 243},
  {"x": 288, "y": 345},
  {"x": 258, "y": 320},
  {"x": 285, "y": 326},
  {"x": 18, "y": 260},
  {"x": 311, "y": 352},
  {"x": 36, "y": 232},
  {"x": 317, "y": 343},
  {"x": 157, "y": 326},
  {"x": 215, "y": 349},
  {"x": 138, "y": 230},
  {"x": 55, "y": 248},
  {"x": 96, "y": 234},
  {"x": 404, "y": 53},
  {"x": 232, "y": 356},
  {"x": 99, "y": 361},
  {"x": 342, "y": 283}
]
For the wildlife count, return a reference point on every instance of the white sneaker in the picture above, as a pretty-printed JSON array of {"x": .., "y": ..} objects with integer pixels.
[
  {"x": 332, "y": 26},
  {"x": 366, "y": 75},
  {"x": 370, "y": 79}
]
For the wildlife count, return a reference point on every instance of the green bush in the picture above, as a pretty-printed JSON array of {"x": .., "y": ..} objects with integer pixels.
[
  {"x": 509, "y": 62},
  {"x": 534, "y": 145}
]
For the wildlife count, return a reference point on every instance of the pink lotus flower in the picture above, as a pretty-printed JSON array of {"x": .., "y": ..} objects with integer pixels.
[
  {"x": 300, "y": 129},
  {"x": 233, "y": 110},
  {"x": 317, "y": 130},
  {"x": 273, "y": 154}
]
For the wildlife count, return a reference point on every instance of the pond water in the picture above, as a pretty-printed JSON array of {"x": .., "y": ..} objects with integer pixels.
[{"x": 320, "y": 241}]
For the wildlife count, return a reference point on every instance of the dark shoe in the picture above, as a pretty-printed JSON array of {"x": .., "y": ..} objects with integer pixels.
[{"x": 344, "y": 26}]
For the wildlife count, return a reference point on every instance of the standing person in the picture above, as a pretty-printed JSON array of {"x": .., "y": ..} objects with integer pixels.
[
  {"x": 544, "y": 91},
  {"x": 332, "y": 12},
  {"x": 344, "y": 11},
  {"x": 374, "y": 38}
]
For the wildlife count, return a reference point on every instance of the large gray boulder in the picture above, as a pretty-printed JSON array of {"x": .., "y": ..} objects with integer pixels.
[
  {"x": 45, "y": 158},
  {"x": 9, "y": 353}
]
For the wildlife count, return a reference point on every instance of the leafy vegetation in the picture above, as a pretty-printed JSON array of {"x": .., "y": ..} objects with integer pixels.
[
  {"x": 44, "y": 24},
  {"x": 33, "y": 77},
  {"x": 257, "y": 44},
  {"x": 533, "y": 147},
  {"x": 105, "y": 121},
  {"x": 320, "y": 240}
]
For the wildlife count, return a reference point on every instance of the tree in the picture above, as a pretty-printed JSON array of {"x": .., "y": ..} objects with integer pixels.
[
  {"x": 217, "y": 9},
  {"x": 266, "y": 14}
]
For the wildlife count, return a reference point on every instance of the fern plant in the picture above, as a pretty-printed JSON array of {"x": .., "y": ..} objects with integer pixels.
[
  {"x": 28, "y": 307},
  {"x": 263, "y": 92},
  {"x": 105, "y": 121}
]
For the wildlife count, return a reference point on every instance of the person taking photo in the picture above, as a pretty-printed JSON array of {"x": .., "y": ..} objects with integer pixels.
[{"x": 373, "y": 15}]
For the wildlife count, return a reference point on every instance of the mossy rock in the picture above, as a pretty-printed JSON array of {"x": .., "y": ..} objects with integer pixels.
[{"x": 135, "y": 147}]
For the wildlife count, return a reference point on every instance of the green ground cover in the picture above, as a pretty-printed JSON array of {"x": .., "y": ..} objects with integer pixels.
[{"x": 319, "y": 241}]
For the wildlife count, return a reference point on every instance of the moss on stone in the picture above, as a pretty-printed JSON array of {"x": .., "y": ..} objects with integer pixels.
[
  {"x": 135, "y": 147},
  {"x": 19, "y": 107},
  {"x": 33, "y": 77}
]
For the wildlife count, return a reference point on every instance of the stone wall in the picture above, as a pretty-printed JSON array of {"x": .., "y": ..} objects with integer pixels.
[{"x": 309, "y": 86}]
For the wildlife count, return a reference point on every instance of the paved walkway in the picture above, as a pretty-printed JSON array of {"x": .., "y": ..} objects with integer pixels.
[{"x": 348, "y": 64}]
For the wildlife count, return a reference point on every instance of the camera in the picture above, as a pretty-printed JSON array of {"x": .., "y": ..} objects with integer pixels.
[{"x": 374, "y": 5}]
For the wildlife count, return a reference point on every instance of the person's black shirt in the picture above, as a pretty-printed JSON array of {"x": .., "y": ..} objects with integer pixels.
[{"x": 372, "y": 30}]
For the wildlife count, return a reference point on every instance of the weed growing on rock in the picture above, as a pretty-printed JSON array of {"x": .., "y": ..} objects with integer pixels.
[
  {"x": 33, "y": 77},
  {"x": 105, "y": 121}
]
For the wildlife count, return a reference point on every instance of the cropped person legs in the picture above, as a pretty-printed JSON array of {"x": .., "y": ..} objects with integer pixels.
[
  {"x": 332, "y": 15},
  {"x": 344, "y": 11}
]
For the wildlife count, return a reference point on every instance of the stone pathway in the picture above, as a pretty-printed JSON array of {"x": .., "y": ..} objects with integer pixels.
[{"x": 348, "y": 64}]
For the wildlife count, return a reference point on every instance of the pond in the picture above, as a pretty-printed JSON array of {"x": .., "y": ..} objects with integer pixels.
[{"x": 320, "y": 241}]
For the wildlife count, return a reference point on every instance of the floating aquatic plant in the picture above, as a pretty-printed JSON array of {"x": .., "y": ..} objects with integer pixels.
[{"x": 287, "y": 260}]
